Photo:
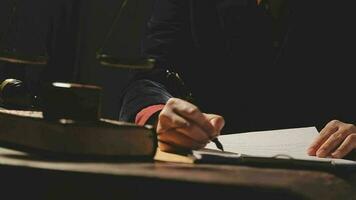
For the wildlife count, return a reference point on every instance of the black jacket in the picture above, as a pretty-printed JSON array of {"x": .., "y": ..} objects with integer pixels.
[{"x": 225, "y": 53}]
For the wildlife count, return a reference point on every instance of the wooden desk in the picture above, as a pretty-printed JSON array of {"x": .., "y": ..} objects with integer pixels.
[{"x": 36, "y": 177}]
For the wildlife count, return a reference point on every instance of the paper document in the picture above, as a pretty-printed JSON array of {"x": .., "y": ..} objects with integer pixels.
[{"x": 286, "y": 143}]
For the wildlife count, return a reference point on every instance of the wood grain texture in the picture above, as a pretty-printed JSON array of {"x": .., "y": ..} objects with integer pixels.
[{"x": 137, "y": 180}]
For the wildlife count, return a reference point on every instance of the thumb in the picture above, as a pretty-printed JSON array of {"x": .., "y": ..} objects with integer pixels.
[{"x": 216, "y": 121}]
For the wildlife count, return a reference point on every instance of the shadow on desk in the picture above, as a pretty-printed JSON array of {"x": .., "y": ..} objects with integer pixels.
[{"x": 43, "y": 184}]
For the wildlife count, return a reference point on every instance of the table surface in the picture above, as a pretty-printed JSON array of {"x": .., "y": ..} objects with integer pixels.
[
  {"x": 91, "y": 179},
  {"x": 47, "y": 177}
]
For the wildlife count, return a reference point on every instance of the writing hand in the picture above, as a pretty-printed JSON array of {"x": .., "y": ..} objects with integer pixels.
[
  {"x": 336, "y": 139},
  {"x": 182, "y": 126}
]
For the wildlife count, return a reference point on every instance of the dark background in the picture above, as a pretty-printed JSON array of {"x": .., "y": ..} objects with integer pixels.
[{"x": 70, "y": 32}]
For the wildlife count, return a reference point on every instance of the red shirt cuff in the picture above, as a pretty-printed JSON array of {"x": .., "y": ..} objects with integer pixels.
[{"x": 143, "y": 116}]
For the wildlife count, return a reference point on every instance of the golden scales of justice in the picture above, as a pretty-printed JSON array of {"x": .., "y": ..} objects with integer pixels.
[{"x": 65, "y": 118}]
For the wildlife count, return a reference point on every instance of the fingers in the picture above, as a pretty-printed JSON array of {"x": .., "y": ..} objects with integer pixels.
[
  {"x": 180, "y": 140},
  {"x": 169, "y": 119},
  {"x": 331, "y": 143},
  {"x": 194, "y": 132},
  {"x": 170, "y": 147},
  {"x": 181, "y": 125},
  {"x": 346, "y": 147},
  {"x": 191, "y": 113},
  {"x": 325, "y": 133},
  {"x": 336, "y": 135},
  {"x": 217, "y": 122}
]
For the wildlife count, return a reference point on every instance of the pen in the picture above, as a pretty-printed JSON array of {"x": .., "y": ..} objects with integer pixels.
[{"x": 218, "y": 144}]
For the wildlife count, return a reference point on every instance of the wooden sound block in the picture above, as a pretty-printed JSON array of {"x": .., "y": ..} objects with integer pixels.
[{"x": 28, "y": 131}]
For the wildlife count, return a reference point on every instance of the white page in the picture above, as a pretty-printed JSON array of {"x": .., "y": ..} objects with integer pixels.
[{"x": 291, "y": 142}]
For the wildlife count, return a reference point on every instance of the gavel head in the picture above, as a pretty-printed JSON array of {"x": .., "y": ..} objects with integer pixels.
[
  {"x": 71, "y": 101},
  {"x": 15, "y": 95}
]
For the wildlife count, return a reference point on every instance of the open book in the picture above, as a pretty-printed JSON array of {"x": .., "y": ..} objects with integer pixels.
[{"x": 273, "y": 147}]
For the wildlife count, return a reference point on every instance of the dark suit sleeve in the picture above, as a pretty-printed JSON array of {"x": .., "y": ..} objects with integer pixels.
[
  {"x": 141, "y": 94},
  {"x": 167, "y": 36}
]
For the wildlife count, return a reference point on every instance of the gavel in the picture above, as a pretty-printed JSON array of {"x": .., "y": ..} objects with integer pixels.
[
  {"x": 69, "y": 101},
  {"x": 14, "y": 94}
]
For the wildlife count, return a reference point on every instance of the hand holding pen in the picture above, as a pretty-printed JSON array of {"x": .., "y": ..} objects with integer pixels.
[{"x": 182, "y": 126}]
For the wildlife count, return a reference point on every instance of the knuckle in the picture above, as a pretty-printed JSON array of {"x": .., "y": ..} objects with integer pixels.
[
  {"x": 180, "y": 123},
  {"x": 335, "y": 121},
  {"x": 192, "y": 110},
  {"x": 163, "y": 115},
  {"x": 171, "y": 101},
  {"x": 220, "y": 118},
  {"x": 348, "y": 127}
]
